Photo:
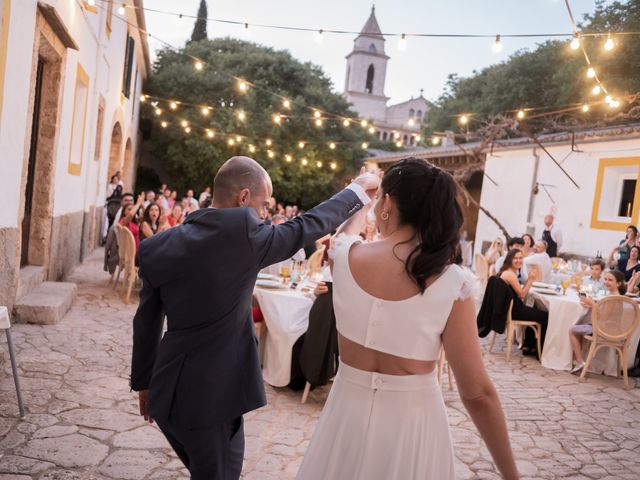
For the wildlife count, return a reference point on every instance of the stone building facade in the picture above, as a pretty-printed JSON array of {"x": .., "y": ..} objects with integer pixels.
[
  {"x": 71, "y": 75},
  {"x": 364, "y": 89}
]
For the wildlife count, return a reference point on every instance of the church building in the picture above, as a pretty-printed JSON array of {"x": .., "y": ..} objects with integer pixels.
[{"x": 364, "y": 89}]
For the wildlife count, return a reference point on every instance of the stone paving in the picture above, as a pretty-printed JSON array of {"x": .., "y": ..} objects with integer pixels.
[{"x": 82, "y": 420}]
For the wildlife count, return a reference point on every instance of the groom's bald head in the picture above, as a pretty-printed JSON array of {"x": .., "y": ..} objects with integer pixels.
[{"x": 242, "y": 182}]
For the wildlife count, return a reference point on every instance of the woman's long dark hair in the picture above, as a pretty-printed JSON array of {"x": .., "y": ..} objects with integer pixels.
[
  {"x": 508, "y": 260},
  {"x": 147, "y": 216},
  {"x": 619, "y": 276},
  {"x": 427, "y": 199}
]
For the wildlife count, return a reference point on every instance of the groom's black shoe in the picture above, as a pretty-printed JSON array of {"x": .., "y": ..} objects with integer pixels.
[{"x": 634, "y": 372}]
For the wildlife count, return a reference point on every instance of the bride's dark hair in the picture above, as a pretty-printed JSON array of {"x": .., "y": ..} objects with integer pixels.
[{"x": 427, "y": 199}]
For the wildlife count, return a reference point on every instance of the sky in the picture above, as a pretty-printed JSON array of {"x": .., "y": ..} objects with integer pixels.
[{"x": 424, "y": 64}]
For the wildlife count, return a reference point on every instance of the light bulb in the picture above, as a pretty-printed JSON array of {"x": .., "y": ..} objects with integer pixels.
[
  {"x": 520, "y": 114},
  {"x": 399, "y": 144},
  {"x": 596, "y": 90},
  {"x": 268, "y": 143},
  {"x": 346, "y": 122},
  {"x": 319, "y": 36},
  {"x": 585, "y": 108},
  {"x": 277, "y": 119},
  {"x": 252, "y": 149},
  {"x": 243, "y": 86},
  {"x": 575, "y": 43},
  {"x": 198, "y": 65},
  {"x": 318, "y": 122},
  {"x": 497, "y": 45},
  {"x": 270, "y": 154},
  {"x": 317, "y": 114},
  {"x": 300, "y": 144},
  {"x": 188, "y": 129},
  {"x": 92, "y": 3},
  {"x": 238, "y": 138},
  {"x": 608, "y": 99},
  {"x": 205, "y": 111},
  {"x": 411, "y": 122},
  {"x": 231, "y": 142},
  {"x": 242, "y": 116},
  {"x": 143, "y": 98},
  {"x": 591, "y": 72},
  {"x": 304, "y": 161},
  {"x": 246, "y": 31},
  {"x": 164, "y": 124},
  {"x": 396, "y": 135},
  {"x": 173, "y": 105},
  {"x": 286, "y": 103},
  {"x": 418, "y": 138},
  {"x": 364, "y": 123},
  {"x": 435, "y": 141},
  {"x": 608, "y": 45},
  {"x": 614, "y": 103},
  {"x": 332, "y": 146},
  {"x": 158, "y": 111},
  {"x": 463, "y": 119},
  {"x": 333, "y": 165},
  {"x": 372, "y": 130},
  {"x": 288, "y": 158},
  {"x": 184, "y": 123},
  {"x": 210, "y": 134},
  {"x": 121, "y": 9},
  {"x": 365, "y": 145},
  {"x": 402, "y": 43},
  {"x": 319, "y": 164}
]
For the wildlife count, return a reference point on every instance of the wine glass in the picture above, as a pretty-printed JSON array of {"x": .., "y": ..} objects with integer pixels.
[
  {"x": 565, "y": 284},
  {"x": 285, "y": 272}
]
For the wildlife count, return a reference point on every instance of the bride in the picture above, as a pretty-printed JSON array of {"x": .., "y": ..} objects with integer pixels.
[{"x": 397, "y": 302}]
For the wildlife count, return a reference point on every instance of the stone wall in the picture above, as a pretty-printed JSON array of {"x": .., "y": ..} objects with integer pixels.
[
  {"x": 9, "y": 265},
  {"x": 66, "y": 245}
]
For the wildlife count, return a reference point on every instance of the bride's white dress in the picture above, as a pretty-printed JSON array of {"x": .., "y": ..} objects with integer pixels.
[{"x": 377, "y": 426}]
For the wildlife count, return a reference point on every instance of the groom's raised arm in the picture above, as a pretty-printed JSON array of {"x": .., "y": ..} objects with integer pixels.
[{"x": 272, "y": 244}]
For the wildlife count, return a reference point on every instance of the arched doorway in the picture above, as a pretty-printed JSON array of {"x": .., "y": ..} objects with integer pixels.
[
  {"x": 115, "y": 159},
  {"x": 127, "y": 167}
]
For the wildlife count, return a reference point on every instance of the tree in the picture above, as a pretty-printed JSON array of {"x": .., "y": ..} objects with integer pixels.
[
  {"x": 192, "y": 159},
  {"x": 200, "y": 28},
  {"x": 552, "y": 75}
]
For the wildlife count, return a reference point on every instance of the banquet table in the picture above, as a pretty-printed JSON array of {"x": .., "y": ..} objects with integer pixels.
[
  {"x": 286, "y": 315},
  {"x": 565, "y": 311}
]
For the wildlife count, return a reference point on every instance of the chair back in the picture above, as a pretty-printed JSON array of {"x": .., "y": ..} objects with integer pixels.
[
  {"x": 481, "y": 267},
  {"x": 615, "y": 318},
  {"x": 126, "y": 247},
  {"x": 314, "y": 263}
]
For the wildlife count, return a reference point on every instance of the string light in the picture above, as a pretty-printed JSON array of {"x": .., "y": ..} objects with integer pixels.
[
  {"x": 173, "y": 105},
  {"x": 143, "y": 98},
  {"x": 608, "y": 45},
  {"x": 187, "y": 129},
  {"x": 184, "y": 123},
  {"x": 364, "y": 123},
  {"x": 243, "y": 86},
  {"x": 277, "y": 119},
  {"x": 608, "y": 99},
  {"x": 198, "y": 65},
  {"x": 300, "y": 145},
  {"x": 164, "y": 124},
  {"x": 304, "y": 162},
  {"x": 92, "y": 3},
  {"x": 520, "y": 114},
  {"x": 575, "y": 43},
  {"x": 231, "y": 142},
  {"x": 270, "y": 154},
  {"x": 365, "y": 145},
  {"x": 238, "y": 138},
  {"x": 411, "y": 122},
  {"x": 317, "y": 114},
  {"x": 614, "y": 103},
  {"x": 210, "y": 133},
  {"x": 206, "y": 111},
  {"x": 247, "y": 32},
  {"x": 319, "y": 164},
  {"x": 241, "y": 115},
  {"x": 463, "y": 119},
  {"x": 319, "y": 36},
  {"x": 286, "y": 103},
  {"x": 497, "y": 45},
  {"x": 399, "y": 144},
  {"x": 585, "y": 108},
  {"x": 333, "y": 165},
  {"x": 591, "y": 72},
  {"x": 252, "y": 149},
  {"x": 372, "y": 130},
  {"x": 435, "y": 141},
  {"x": 121, "y": 9},
  {"x": 396, "y": 135},
  {"x": 268, "y": 142},
  {"x": 318, "y": 122},
  {"x": 288, "y": 158},
  {"x": 402, "y": 43},
  {"x": 346, "y": 122},
  {"x": 332, "y": 146},
  {"x": 158, "y": 111},
  {"x": 596, "y": 90},
  {"x": 418, "y": 138}
]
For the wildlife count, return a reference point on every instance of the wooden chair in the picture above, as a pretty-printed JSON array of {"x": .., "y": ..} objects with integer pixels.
[
  {"x": 127, "y": 252},
  {"x": 481, "y": 267},
  {"x": 614, "y": 320},
  {"x": 314, "y": 263},
  {"x": 441, "y": 359},
  {"x": 511, "y": 326}
]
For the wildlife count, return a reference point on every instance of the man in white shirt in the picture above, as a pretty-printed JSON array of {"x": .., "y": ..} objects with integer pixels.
[
  {"x": 541, "y": 259},
  {"x": 204, "y": 195},
  {"x": 192, "y": 202},
  {"x": 149, "y": 198},
  {"x": 552, "y": 236}
]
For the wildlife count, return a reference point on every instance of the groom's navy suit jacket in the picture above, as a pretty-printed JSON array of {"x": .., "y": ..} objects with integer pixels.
[{"x": 205, "y": 368}]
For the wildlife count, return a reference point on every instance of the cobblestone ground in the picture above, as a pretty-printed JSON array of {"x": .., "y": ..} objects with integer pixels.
[{"x": 82, "y": 421}]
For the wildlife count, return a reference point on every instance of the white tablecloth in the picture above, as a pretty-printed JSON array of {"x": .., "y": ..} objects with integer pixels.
[
  {"x": 565, "y": 311},
  {"x": 286, "y": 314}
]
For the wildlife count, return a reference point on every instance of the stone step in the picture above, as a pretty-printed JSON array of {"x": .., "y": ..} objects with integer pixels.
[
  {"x": 30, "y": 277},
  {"x": 45, "y": 304}
]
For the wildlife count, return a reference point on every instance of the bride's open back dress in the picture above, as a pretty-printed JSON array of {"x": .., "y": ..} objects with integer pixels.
[{"x": 386, "y": 427}]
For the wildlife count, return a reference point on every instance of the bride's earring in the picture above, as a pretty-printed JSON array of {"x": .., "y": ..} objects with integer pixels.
[{"x": 384, "y": 216}]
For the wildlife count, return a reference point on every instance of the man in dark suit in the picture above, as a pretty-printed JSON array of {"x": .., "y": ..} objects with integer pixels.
[{"x": 199, "y": 378}]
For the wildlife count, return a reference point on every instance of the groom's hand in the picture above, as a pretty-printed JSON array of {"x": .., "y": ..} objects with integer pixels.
[
  {"x": 369, "y": 182},
  {"x": 143, "y": 400}
]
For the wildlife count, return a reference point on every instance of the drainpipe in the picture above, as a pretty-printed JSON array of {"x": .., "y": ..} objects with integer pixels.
[{"x": 533, "y": 192}]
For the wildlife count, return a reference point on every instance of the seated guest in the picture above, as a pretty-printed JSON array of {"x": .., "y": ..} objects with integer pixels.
[
  {"x": 298, "y": 257},
  {"x": 204, "y": 195},
  {"x": 495, "y": 251},
  {"x": 127, "y": 199},
  {"x": 193, "y": 203},
  {"x": 149, "y": 198},
  {"x": 540, "y": 258},
  {"x": 517, "y": 243},
  {"x": 152, "y": 222},
  {"x": 528, "y": 247},
  {"x": 128, "y": 220},
  {"x": 596, "y": 267},
  {"x": 509, "y": 273},
  {"x": 163, "y": 202},
  {"x": 630, "y": 265},
  {"x": 176, "y": 217},
  {"x": 625, "y": 245},
  {"x": 614, "y": 283},
  {"x": 172, "y": 199}
]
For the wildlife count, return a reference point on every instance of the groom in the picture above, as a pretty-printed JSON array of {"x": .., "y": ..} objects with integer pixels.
[{"x": 199, "y": 378}]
